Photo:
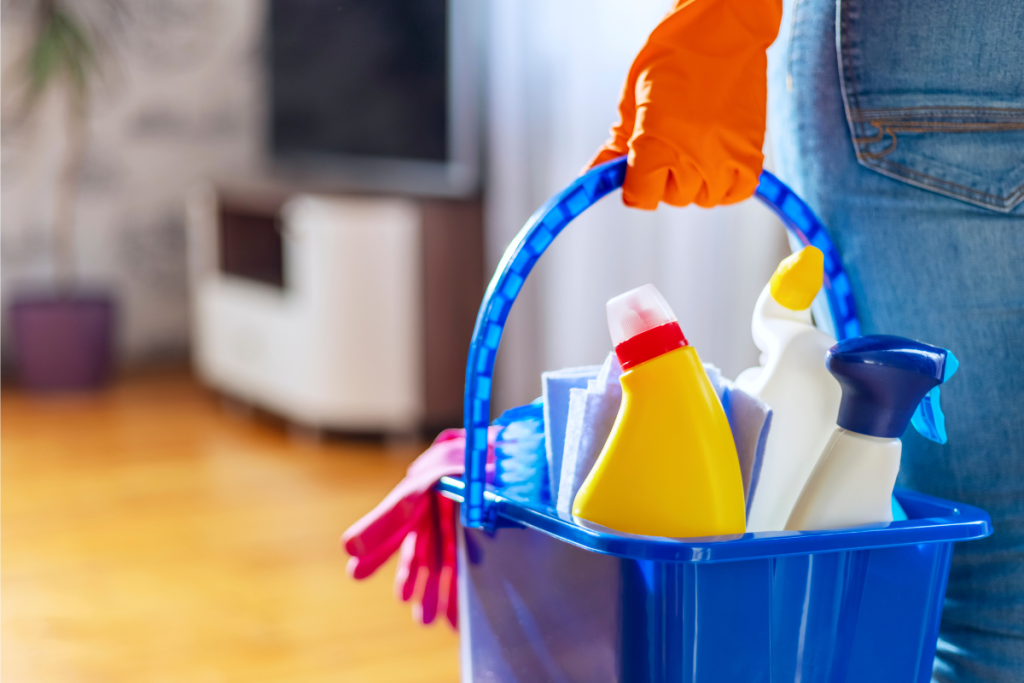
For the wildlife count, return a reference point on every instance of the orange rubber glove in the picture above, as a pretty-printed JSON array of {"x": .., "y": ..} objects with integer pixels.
[{"x": 692, "y": 114}]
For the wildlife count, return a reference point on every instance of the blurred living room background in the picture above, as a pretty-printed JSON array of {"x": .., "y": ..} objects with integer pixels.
[{"x": 271, "y": 223}]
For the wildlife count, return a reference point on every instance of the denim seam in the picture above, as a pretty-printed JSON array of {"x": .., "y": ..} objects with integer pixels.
[
  {"x": 929, "y": 181},
  {"x": 938, "y": 127},
  {"x": 791, "y": 46},
  {"x": 877, "y": 156},
  {"x": 951, "y": 126},
  {"x": 846, "y": 89},
  {"x": 891, "y": 130},
  {"x": 929, "y": 127},
  {"x": 992, "y": 113}
]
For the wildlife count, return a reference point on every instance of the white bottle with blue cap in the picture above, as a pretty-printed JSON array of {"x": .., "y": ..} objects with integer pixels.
[{"x": 883, "y": 379}]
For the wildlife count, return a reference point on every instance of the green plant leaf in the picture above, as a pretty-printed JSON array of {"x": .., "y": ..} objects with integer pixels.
[{"x": 62, "y": 49}]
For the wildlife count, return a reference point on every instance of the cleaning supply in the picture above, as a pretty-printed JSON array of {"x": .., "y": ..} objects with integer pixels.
[
  {"x": 419, "y": 521},
  {"x": 883, "y": 379},
  {"x": 669, "y": 467},
  {"x": 792, "y": 380},
  {"x": 591, "y": 414},
  {"x": 928, "y": 420},
  {"x": 520, "y": 456},
  {"x": 750, "y": 420},
  {"x": 557, "y": 384}
]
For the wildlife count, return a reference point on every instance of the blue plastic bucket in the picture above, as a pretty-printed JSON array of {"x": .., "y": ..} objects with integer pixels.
[{"x": 543, "y": 599}]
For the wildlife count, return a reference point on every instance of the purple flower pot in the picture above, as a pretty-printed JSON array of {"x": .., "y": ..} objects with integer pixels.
[{"x": 63, "y": 342}]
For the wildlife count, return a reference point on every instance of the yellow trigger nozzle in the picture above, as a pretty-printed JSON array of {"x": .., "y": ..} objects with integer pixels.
[{"x": 798, "y": 278}]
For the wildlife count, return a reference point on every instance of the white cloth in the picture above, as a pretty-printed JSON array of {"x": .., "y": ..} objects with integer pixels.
[
  {"x": 592, "y": 412},
  {"x": 750, "y": 419},
  {"x": 557, "y": 384}
]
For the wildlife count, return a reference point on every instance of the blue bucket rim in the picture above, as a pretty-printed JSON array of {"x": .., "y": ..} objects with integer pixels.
[{"x": 934, "y": 521}]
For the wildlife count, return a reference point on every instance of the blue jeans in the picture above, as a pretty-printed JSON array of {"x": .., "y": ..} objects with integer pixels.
[{"x": 904, "y": 130}]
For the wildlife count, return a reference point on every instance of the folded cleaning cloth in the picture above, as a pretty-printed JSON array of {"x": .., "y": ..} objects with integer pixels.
[
  {"x": 591, "y": 413},
  {"x": 557, "y": 384},
  {"x": 750, "y": 419}
]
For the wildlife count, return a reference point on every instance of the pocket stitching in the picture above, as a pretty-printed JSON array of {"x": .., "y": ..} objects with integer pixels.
[
  {"x": 1014, "y": 113},
  {"x": 1014, "y": 193},
  {"x": 892, "y": 130},
  {"x": 856, "y": 120},
  {"x": 922, "y": 127}
]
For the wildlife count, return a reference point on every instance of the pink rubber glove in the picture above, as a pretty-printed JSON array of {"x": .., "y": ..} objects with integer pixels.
[{"x": 423, "y": 523}]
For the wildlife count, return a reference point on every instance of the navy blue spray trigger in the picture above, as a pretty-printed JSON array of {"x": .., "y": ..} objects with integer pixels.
[
  {"x": 884, "y": 379},
  {"x": 928, "y": 419}
]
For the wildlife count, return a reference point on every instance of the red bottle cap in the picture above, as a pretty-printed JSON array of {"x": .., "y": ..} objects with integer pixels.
[{"x": 642, "y": 326}]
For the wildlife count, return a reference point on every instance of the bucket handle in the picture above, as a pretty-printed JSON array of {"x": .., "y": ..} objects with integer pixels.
[{"x": 536, "y": 236}]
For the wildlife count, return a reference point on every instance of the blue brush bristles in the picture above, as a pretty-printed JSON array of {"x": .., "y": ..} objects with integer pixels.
[{"x": 521, "y": 470}]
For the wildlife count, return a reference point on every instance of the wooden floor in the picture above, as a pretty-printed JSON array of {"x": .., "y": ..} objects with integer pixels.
[{"x": 151, "y": 535}]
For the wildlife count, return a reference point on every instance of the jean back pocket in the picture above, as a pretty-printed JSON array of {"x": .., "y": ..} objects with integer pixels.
[{"x": 934, "y": 94}]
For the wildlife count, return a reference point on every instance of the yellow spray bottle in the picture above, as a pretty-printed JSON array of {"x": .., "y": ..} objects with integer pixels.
[{"x": 669, "y": 467}]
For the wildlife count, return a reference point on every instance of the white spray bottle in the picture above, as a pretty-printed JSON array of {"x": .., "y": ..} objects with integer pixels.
[
  {"x": 794, "y": 382},
  {"x": 883, "y": 380}
]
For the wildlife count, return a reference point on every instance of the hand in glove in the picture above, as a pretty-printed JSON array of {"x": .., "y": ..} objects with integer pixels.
[{"x": 692, "y": 112}]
